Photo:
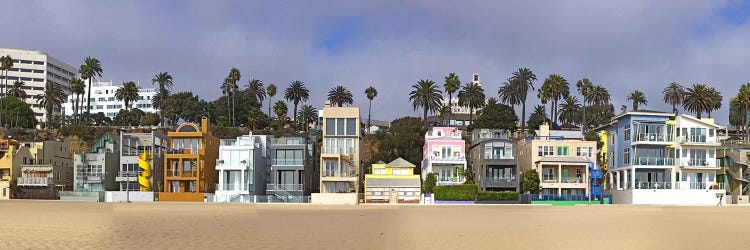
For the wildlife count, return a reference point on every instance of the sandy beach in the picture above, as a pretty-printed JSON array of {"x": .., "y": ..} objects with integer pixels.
[{"x": 81, "y": 225}]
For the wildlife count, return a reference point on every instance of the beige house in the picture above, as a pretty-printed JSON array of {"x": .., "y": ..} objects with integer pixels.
[
  {"x": 339, "y": 156},
  {"x": 561, "y": 158}
]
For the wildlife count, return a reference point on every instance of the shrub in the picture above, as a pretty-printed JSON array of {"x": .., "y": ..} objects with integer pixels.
[
  {"x": 429, "y": 183},
  {"x": 497, "y": 196},
  {"x": 530, "y": 182},
  {"x": 466, "y": 192}
]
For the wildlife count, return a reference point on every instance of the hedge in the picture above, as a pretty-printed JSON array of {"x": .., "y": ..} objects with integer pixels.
[
  {"x": 497, "y": 196},
  {"x": 466, "y": 192}
]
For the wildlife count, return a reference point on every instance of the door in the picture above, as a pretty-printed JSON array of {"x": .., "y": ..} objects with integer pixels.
[
  {"x": 564, "y": 175},
  {"x": 394, "y": 196}
]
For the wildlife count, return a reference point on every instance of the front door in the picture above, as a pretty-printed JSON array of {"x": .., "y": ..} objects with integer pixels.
[{"x": 394, "y": 196}]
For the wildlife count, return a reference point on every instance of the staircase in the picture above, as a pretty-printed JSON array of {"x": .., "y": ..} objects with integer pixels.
[
  {"x": 595, "y": 182},
  {"x": 735, "y": 163}
]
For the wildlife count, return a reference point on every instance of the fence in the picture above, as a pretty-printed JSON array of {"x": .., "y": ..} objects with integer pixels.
[{"x": 245, "y": 198}]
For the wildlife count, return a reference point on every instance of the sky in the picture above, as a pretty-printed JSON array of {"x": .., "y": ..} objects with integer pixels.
[{"x": 622, "y": 45}]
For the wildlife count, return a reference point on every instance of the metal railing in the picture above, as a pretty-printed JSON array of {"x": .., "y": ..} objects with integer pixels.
[
  {"x": 699, "y": 139},
  {"x": 499, "y": 157},
  {"x": 500, "y": 179},
  {"x": 230, "y": 187},
  {"x": 340, "y": 172},
  {"x": 33, "y": 181},
  {"x": 128, "y": 173},
  {"x": 653, "y": 137},
  {"x": 654, "y": 161},
  {"x": 451, "y": 159},
  {"x": 288, "y": 162},
  {"x": 700, "y": 163},
  {"x": 653, "y": 185},
  {"x": 284, "y": 187},
  {"x": 566, "y": 179}
]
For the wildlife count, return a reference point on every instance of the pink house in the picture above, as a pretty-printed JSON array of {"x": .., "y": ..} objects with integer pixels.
[{"x": 444, "y": 155}]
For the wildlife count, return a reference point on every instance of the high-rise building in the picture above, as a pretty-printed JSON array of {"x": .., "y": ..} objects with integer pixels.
[
  {"x": 35, "y": 69},
  {"x": 103, "y": 100}
]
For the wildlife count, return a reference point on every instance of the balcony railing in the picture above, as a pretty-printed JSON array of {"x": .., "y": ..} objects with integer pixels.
[
  {"x": 654, "y": 161},
  {"x": 694, "y": 162},
  {"x": 653, "y": 185},
  {"x": 457, "y": 158},
  {"x": 338, "y": 150},
  {"x": 341, "y": 172},
  {"x": 499, "y": 157},
  {"x": 33, "y": 181},
  {"x": 565, "y": 179},
  {"x": 699, "y": 139},
  {"x": 500, "y": 179},
  {"x": 284, "y": 187},
  {"x": 128, "y": 173},
  {"x": 653, "y": 137},
  {"x": 230, "y": 187},
  {"x": 177, "y": 173},
  {"x": 288, "y": 162}
]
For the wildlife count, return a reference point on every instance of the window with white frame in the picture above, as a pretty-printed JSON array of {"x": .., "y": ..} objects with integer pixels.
[
  {"x": 546, "y": 150},
  {"x": 378, "y": 171},
  {"x": 626, "y": 156},
  {"x": 584, "y": 151},
  {"x": 626, "y": 132},
  {"x": 400, "y": 172}
]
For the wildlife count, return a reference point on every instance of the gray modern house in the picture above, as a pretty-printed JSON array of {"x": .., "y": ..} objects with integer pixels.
[
  {"x": 293, "y": 170},
  {"x": 493, "y": 160},
  {"x": 96, "y": 168}
]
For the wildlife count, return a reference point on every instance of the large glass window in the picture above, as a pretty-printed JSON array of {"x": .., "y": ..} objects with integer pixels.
[
  {"x": 626, "y": 133},
  {"x": 626, "y": 156},
  {"x": 232, "y": 180},
  {"x": 330, "y": 168},
  {"x": 339, "y": 126},
  {"x": 289, "y": 157},
  {"x": 351, "y": 126},
  {"x": 330, "y": 126}
]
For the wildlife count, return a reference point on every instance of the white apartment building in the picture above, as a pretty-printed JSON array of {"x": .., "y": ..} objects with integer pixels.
[
  {"x": 455, "y": 108},
  {"x": 242, "y": 166},
  {"x": 103, "y": 100},
  {"x": 36, "y": 68}
]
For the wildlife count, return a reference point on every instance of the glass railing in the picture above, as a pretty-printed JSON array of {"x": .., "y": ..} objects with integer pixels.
[
  {"x": 696, "y": 162},
  {"x": 498, "y": 157},
  {"x": 288, "y": 162},
  {"x": 653, "y": 137},
  {"x": 653, "y": 185},
  {"x": 338, "y": 150},
  {"x": 566, "y": 179},
  {"x": 654, "y": 161},
  {"x": 342, "y": 172},
  {"x": 448, "y": 158},
  {"x": 699, "y": 139},
  {"x": 284, "y": 187},
  {"x": 231, "y": 187},
  {"x": 500, "y": 179}
]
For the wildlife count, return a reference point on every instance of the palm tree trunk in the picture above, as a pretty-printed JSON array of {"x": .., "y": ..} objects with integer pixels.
[
  {"x": 88, "y": 99},
  {"x": 229, "y": 107},
  {"x": 424, "y": 117},
  {"x": 369, "y": 116},
  {"x": 450, "y": 108},
  {"x": 269, "y": 106},
  {"x": 295, "y": 111},
  {"x": 471, "y": 115},
  {"x": 523, "y": 116}
]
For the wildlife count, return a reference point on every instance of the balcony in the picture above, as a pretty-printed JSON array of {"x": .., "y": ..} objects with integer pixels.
[
  {"x": 338, "y": 151},
  {"x": 565, "y": 179},
  {"x": 699, "y": 163},
  {"x": 33, "y": 181},
  {"x": 505, "y": 181},
  {"x": 184, "y": 173},
  {"x": 653, "y": 161},
  {"x": 499, "y": 157},
  {"x": 655, "y": 138},
  {"x": 699, "y": 139},
  {"x": 288, "y": 162},
  {"x": 284, "y": 187},
  {"x": 653, "y": 185},
  {"x": 340, "y": 172},
  {"x": 454, "y": 159}
]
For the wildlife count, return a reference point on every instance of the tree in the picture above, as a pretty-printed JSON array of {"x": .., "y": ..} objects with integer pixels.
[
  {"x": 98, "y": 119},
  {"x": 90, "y": 69},
  {"x": 538, "y": 117},
  {"x": 584, "y": 87},
  {"x": 234, "y": 77},
  {"x": 128, "y": 117},
  {"x": 150, "y": 119},
  {"x": 714, "y": 100},
  {"x": 472, "y": 96},
  {"x": 496, "y": 116},
  {"x": 226, "y": 90},
  {"x": 637, "y": 97},
  {"x": 271, "y": 91},
  {"x": 429, "y": 183},
  {"x": 698, "y": 99},
  {"x": 673, "y": 94},
  {"x": 340, "y": 95},
  {"x": 128, "y": 93},
  {"x": 509, "y": 94},
  {"x": 78, "y": 88},
  {"x": 296, "y": 93},
  {"x": 254, "y": 118},
  {"x": 554, "y": 88},
  {"x": 52, "y": 99},
  {"x": 6, "y": 62},
  {"x": 255, "y": 88},
  {"x": 530, "y": 182},
  {"x": 425, "y": 94},
  {"x": 599, "y": 95},
  {"x": 281, "y": 110},
  {"x": 739, "y": 106},
  {"x": 570, "y": 111},
  {"x": 371, "y": 93},
  {"x": 18, "y": 112},
  {"x": 186, "y": 106},
  {"x": 452, "y": 83},
  {"x": 308, "y": 115},
  {"x": 524, "y": 79},
  {"x": 405, "y": 139},
  {"x": 165, "y": 81},
  {"x": 17, "y": 90},
  {"x": 604, "y": 114}
]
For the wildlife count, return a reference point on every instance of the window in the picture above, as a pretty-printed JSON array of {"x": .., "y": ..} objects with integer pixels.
[
  {"x": 562, "y": 150},
  {"x": 351, "y": 126},
  {"x": 330, "y": 126},
  {"x": 330, "y": 168},
  {"x": 579, "y": 173},
  {"x": 546, "y": 150},
  {"x": 378, "y": 171},
  {"x": 626, "y": 156},
  {"x": 711, "y": 132},
  {"x": 584, "y": 151},
  {"x": 476, "y": 78},
  {"x": 340, "y": 126},
  {"x": 110, "y": 99},
  {"x": 400, "y": 172},
  {"x": 626, "y": 132}
]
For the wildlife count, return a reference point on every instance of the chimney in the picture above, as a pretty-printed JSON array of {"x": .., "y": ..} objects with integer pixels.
[
  {"x": 327, "y": 104},
  {"x": 204, "y": 125},
  {"x": 544, "y": 129}
]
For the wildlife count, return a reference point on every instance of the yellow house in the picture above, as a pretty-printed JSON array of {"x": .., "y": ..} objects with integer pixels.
[
  {"x": 394, "y": 182},
  {"x": 190, "y": 163},
  {"x": 11, "y": 158}
]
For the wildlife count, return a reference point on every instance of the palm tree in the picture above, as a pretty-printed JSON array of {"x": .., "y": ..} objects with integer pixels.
[
  {"x": 427, "y": 96},
  {"x": 226, "y": 90},
  {"x": 234, "y": 77},
  {"x": 164, "y": 79},
  {"x": 696, "y": 99},
  {"x": 17, "y": 90},
  {"x": 472, "y": 96},
  {"x": 743, "y": 101},
  {"x": 714, "y": 100},
  {"x": 524, "y": 78},
  {"x": 673, "y": 94},
  {"x": 128, "y": 93},
  {"x": 307, "y": 116},
  {"x": 296, "y": 93},
  {"x": 90, "y": 69},
  {"x": 584, "y": 87},
  {"x": 508, "y": 94},
  {"x": 555, "y": 87},
  {"x": 569, "y": 110},
  {"x": 371, "y": 93},
  {"x": 78, "y": 88},
  {"x": 281, "y": 110},
  {"x": 599, "y": 95},
  {"x": 255, "y": 88},
  {"x": 253, "y": 117},
  {"x": 452, "y": 83},
  {"x": 6, "y": 62},
  {"x": 52, "y": 99},
  {"x": 271, "y": 91},
  {"x": 637, "y": 97},
  {"x": 339, "y": 96}
]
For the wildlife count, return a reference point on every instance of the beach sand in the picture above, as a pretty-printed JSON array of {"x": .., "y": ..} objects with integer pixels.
[{"x": 82, "y": 225}]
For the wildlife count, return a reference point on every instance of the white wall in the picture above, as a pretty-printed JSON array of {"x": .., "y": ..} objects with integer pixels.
[
  {"x": 122, "y": 196},
  {"x": 334, "y": 198},
  {"x": 666, "y": 197}
]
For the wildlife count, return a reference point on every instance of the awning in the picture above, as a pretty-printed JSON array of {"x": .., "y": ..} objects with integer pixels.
[
  {"x": 563, "y": 159},
  {"x": 36, "y": 168},
  {"x": 392, "y": 182}
]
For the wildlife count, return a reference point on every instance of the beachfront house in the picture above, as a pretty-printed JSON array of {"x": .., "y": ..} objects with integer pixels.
[
  {"x": 493, "y": 159},
  {"x": 293, "y": 174},
  {"x": 96, "y": 168},
  {"x": 561, "y": 158},
  {"x": 394, "y": 182},
  {"x": 190, "y": 163},
  {"x": 242, "y": 166},
  {"x": 443, "y": 155},
  {"x": 12, "y": 155},
  {"x": 132, "y": 146},
  {"x": 340, "y": 156},
  {"x": 46, "y": 171},
  {"x": 662, "y": 158}
]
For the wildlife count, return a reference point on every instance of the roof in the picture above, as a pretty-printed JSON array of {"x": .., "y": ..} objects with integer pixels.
[
  {"x": 36, "y": 168},
  {"x": 400, "y": 162},
  {"x": 643, "y": 112},
  {"x": 567, "y": 134},
  {"x": 698, "y": 120},
  {"x": 569, "y": 159},
  {"x": 393, "y": 182},
  {"x": 380, "y": 162}
]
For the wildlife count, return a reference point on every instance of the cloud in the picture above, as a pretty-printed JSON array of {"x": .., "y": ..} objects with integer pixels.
[{"x": 623, "y": 45}]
